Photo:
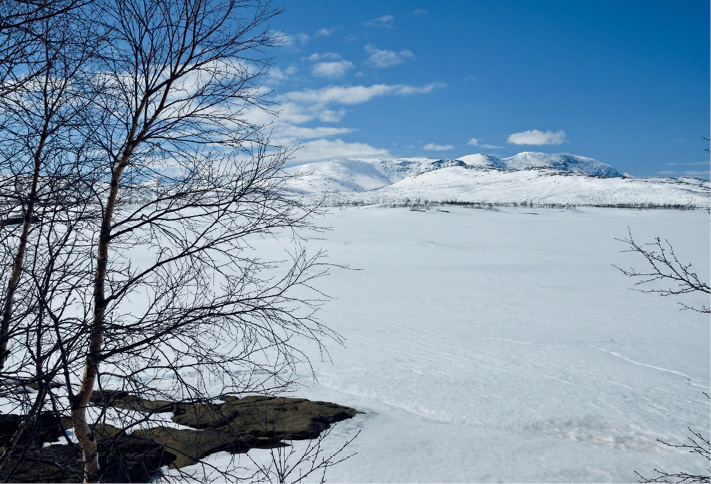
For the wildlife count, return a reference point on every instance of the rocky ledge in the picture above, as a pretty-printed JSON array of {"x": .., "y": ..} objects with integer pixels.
[{"x": 234, "y": 425}]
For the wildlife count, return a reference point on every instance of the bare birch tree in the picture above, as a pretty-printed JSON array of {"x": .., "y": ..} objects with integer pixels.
[
  {"x": 39, "y": 129},
  {"x": 41, "y": 144},
  {"x": 175, "y": 301}
]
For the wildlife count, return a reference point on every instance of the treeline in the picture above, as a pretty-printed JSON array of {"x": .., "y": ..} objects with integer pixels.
[{"x": 422, "y": 204}]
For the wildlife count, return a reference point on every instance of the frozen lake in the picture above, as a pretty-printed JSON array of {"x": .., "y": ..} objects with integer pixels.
[{"x": 503, "y": 345}]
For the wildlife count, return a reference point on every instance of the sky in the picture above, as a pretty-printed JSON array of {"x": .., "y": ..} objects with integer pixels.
[{"x": 626, "y": 83}]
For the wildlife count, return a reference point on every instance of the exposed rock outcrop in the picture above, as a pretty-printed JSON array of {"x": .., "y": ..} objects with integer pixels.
[{"x": 233, "y": 424}]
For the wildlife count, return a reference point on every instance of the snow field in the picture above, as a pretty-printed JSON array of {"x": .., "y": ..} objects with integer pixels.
[
  {"x": 503, "y": 346},
  {"x": 492, "y": 346}
]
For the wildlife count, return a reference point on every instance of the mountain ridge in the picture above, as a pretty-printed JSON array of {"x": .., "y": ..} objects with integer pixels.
[
  {"x": 537, "y": 178},
  {"x": 527, "y": 160}
]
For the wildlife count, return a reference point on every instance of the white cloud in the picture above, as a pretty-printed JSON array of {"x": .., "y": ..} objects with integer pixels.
[
  {"x": 292, "y": 40},
  {"x": 291, "y": 135},
  {"x": 290, "y": 111},
  {"x": 473, "y": 142},
  {"x": 325, "y": 32},
  {"x": 331, "y": 116},
  {"x": 689, "y": 163},
  {"x": 323, "y": 149},
  {"x": 276, "y": 74},
  {"x": 409, "y": 90},
  {"x": 332, "y": 70},
  {"x": 330, "y": 65},
  {"x": 384, "y": 21},
  {"x": 386, "y": 58},
  {"x": 351, "y": 37},
  {"x": 349, "y": 95},
  {"x": 419, "y": 11},
  {"x": 299, "y": 107},
  {"x": 691, "y": 173},
  {"x": 326, "y": 56},
  {"x": 283, "y": 122},
  {"x": 491, "y": 147},
  {"x": 699, "y": 173},
  {"x": 537, "y": 137},
  {"x": 436, "y": 147},
  {"x": 286, "y": 113}
]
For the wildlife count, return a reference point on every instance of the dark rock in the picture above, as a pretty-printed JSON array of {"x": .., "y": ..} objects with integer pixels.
[
  {"x": 8, "y": 426},
  {"x": 125, "y": 458},
  {"x": 189, "y": 446},
  {"x": 277, "y": 418},
  {"x": 48, "y": 428},
  {"x": 239, "y": 424},
  {"x": 131, "y": 458},
  {"x": 204, "y": 415},
  {"x": 127, "y": 401},
  {"x": 235, "y": 426},
  {"x": 54, "y": 463}
]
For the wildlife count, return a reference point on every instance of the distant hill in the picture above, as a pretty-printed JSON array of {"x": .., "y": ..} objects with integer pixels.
[
  {"x": 557, "y": 161},
  {"x": 530, "y": 178}
]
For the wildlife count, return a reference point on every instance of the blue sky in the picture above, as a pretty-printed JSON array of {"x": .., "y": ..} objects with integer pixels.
[{"x": 625, "y": 82}]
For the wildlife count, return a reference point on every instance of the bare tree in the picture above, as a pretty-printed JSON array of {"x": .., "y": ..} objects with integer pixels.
[
  {"x": 38, "y": 142},
  {"x": 666, "y": 275},
  {"x": 22, "y": 13},
  {"x": 663, "y": 266},
  {"x": 41, "y": 203},
  {"x": 288, "y": 465},
  {"x": 39, "y": 133},
  {"x": 696, "y": 444},
  {"x": 170, "y": 89},
  {"x": 135, "y": 188},
  {"x": 23, "y": 33}
]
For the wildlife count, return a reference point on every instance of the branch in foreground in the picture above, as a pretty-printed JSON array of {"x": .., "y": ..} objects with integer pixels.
[{"x": 663, "y": 266}]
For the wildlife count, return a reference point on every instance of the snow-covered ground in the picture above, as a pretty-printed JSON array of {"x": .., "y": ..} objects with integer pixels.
[{"x": 503, "y": 346}]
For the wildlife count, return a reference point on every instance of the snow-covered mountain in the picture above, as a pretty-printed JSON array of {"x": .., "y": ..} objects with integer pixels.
[
  {"x": 534, "y": 178},
  {"x": 362, "y": 174},
  {"x": 528, "y": 160}
]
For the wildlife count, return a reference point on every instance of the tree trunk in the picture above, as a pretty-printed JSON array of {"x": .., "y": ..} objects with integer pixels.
[
  {"x": 19, "y": 256},
  {"x": 93, "y": 358}
]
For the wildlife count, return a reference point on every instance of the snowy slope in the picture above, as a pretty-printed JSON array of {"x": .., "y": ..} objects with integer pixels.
[
  {"x": 559, "y": 161},
  {"x": 361, "y": 174},
  {"x": 537, "y": 178},
  {"x": 480, "y": 160},
  {"x": 541, "y": 187}
]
